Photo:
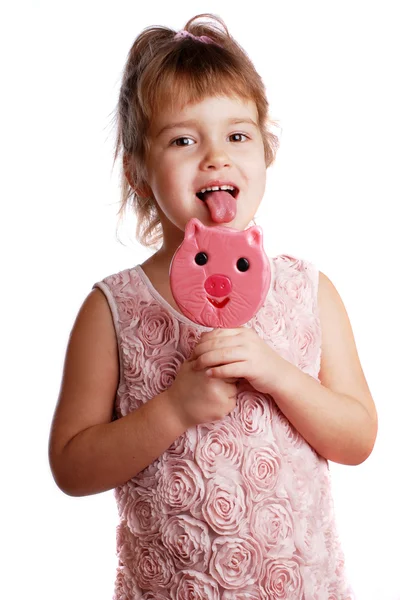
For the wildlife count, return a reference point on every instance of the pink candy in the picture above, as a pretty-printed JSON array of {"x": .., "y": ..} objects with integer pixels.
[{"x": 220, "y": 276}]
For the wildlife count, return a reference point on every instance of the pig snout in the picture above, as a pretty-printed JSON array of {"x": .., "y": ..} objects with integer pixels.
[{"x": 218, "y": 285}]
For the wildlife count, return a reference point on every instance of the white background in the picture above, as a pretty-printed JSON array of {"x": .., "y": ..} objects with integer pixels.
[{"x": 331, "y": 71}]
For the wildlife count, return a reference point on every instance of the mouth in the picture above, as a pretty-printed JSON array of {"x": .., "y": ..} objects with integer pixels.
[
  {"x": 234, "y": 193},
  {"x": 220, "y": 198},
  {"x": 217, "y": 304}
]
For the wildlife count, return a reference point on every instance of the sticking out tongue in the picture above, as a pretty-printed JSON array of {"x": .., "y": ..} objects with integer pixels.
[{"x": 221, "y": 205}]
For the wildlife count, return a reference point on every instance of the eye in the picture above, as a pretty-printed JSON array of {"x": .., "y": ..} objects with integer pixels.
[
  {"x": 243, "y": 264},
  {"x": 238, "y": 134},
  {"x": 180, "y": 139},
  {"x": 201, "y": 258}
]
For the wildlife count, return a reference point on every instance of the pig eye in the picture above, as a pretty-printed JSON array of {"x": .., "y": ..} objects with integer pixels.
[
  {"x": 201, "y": 258},
  {"x": 243, "y": 264}
]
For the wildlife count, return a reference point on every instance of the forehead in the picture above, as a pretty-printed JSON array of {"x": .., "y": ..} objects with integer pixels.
[{"x": 210, "y": 110}]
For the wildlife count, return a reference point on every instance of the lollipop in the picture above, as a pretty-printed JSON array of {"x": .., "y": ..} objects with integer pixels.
[{"x": 220, "y": 276}]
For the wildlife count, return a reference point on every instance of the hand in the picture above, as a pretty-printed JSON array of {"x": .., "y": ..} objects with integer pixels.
[
  {"x": 197, "y": 398},
  {"x": 239, "y": 353}
]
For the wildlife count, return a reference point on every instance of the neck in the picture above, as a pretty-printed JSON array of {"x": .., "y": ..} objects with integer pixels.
[
  {"x": 160, "y": 261},
  {"x": 172, "y": 238}
]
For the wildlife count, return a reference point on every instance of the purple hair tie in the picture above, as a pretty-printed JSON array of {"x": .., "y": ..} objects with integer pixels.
[{"x": 202, "y": 38}]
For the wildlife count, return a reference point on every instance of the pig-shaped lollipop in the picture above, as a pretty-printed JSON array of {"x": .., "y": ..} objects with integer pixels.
[{"x": 220, "y": 276}]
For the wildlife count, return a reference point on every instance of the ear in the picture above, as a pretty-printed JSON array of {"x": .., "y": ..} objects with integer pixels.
[
  {"x": 193, "y": 228},
  {"x": 254, "y": 236}
]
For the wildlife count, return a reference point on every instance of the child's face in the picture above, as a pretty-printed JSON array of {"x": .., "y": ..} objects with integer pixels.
[{"x": 185, "y": 158}]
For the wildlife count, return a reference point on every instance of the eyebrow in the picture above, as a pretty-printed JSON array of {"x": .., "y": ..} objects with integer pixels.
[{"x": 192, "y": 122}]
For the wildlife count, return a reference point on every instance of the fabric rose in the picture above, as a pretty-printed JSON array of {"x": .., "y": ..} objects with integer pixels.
[
  {"x": 309, "y": 538},
  {"x": 337, "y": 588},
  {"x": 153, "y": 565},
  {"x": 219, "y": 446},
  {"x": 188, "y": 542},
  {"x": 125, "y": 543},
  {"x": 125, "y": 587},
  {"x": 194, "y": 585},
  {"x": 125, "y": 402},
  {"x": 180, "y": 487},
  {"x": 183, "y": 446},
  {"x": 128, "y": 303},
  {"x": 333, "y": 548},
  {"x": 154, "y": 596},
  {"x": 119, "y": 281},
  {"x": 314, "y": 582},
  {"x": 274, "y": 325},
  {"x": 294, "y": 283},
  {"x": 261, "y": 467},
  {"x": 252, "y": 592},
  {"x": 302, "y": 483},
  {"x": 141, "y": 512},
  {"x": 325, "y": 501},
  {"x": 287, "y": 437},
  {"x": 225, "y": 506},
  {"x": 133, "y": 358},
  {"x": 188, "y": 339},
  {"x": 306, "y": 340},
  {"x": 161, "y": 371},
  {"x": 157, "y": 329},
  {"x": 149, "y": 476},
  {"x": 271, "y": 321},
  {"x": 281, "y": 579},
  {"x": 128, "y": 310},
  {"x": 123, "y": 494},
  {"x": 272, "y": 524},
  {"x": 253, "y": 415},
  {"x": 235, "y": 562}
]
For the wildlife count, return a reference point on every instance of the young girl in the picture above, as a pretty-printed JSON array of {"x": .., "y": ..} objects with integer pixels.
[{"x": 216, "y": 441}]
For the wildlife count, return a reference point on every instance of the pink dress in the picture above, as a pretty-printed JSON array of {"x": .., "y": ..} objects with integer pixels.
[{"x": 234, "y": 509}]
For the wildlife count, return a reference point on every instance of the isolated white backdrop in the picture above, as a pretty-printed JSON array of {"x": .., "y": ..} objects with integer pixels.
[{"x": 331, "y": 73}]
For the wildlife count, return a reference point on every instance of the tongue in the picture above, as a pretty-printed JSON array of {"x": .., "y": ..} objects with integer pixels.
[{"x": 221, "y": 205}]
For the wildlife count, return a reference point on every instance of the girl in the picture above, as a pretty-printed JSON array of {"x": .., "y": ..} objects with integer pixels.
[{"x": 216, "y": 441}]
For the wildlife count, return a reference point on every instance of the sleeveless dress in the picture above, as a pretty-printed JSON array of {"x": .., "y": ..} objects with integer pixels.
[{"x": 240, "y": 508}]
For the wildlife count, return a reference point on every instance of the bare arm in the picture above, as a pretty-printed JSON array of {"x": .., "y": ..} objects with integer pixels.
[
  {"x": 336, "y": 425},
  {"x": 337, "y": 416},
  {"x": 107, "y": 455},
  {"x": 88, "y": 452}
]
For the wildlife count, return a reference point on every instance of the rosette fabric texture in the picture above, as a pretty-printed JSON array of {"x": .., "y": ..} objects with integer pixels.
[{"x": 240, "y": 508}]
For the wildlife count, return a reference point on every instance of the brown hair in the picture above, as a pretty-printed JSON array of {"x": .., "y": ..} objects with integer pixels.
[{"x": 160, "y": 70}]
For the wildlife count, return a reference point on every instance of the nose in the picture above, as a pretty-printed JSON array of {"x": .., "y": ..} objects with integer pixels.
[
  {"x": 218, "y": 285},
  {"x": 215, "y": 156}
]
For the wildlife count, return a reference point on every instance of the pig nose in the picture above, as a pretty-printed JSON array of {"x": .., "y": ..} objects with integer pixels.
[{"x": 218, "y": 285}]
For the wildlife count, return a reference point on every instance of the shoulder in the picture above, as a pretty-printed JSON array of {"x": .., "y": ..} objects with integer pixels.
[
  {"x": 94, "y": 322},
  {"x": 341, "y": 369},
  {"x": 119, "y": 279},
  {"x": 288, "y": 266},
  {"x": 293, "y": 263},
  {"x": 118, "y": 289}
]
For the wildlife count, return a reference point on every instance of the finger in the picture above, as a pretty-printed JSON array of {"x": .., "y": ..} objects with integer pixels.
[
  {"x": 221, "y": 356},
  {"x": 232, "y": 371},
  {"x": 214, "y": 344},
  {"x": 219, "y": 332}
]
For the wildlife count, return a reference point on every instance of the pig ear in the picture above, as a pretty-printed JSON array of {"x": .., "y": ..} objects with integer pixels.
[
  {"x": 254, "y": 236},
  {"x": 193, "y": 228}
]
